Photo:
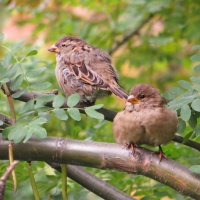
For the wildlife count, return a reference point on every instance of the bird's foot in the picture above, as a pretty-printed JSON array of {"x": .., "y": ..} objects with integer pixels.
[
  {"x": 131, "y": 147},
  {"x": 161, "y": 154}
]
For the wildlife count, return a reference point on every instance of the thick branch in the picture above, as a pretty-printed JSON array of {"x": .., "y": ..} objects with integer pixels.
[
  {"x": 92, "y": 183},
  {"x": 107, "y": 156},
  {"x": 108, "y": 114}
]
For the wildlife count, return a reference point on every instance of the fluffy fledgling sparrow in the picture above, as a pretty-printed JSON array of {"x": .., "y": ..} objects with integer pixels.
[
  {"x": 145, "y": 119},
  {"x": 84, "y": 69}
]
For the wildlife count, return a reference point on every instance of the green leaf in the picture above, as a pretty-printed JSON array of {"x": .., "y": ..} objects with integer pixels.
[
  {"x": 185, "y": 112},
  {"x": 195, "y": 80},
  {"x": 196, "y": 47},
  {"x": 13, "y": 70},
  {"x": 17, "y": 133},
  {"x": 187, "y": 137},
  {"x": 196, "y": 105},
  {"x": 4, "y": 80},
  {"x": 58, "y": 101},
  {"x": 1, "y": 36},
  {"x": 176, "y": 91},
  {"x": 32, "y": 53},
  {"x": 196, "y": 87},
  {"x": 96, "y": 107},
  {"x": 73, "y": 100},
  {"x": 40, "y": 86},
  {"x": 196, "y": 68},
  {"x": 185, "y": 84},
  {"x": 193, "y": 120},
  {"x": 39, "y": 121},
  {"x": 181, "y": 101},
  {"x": 195, "y": 58},
  {"x": 1, "y": 122},
  {"x": 74, "y": 113},
  {"x": 93, "y": 113},
  {"x": 197, "y": 130},
  {"x": 29, "y": 134},
  {"x": 38, "y": 131},
  {"x": 45, "y": 98},
  {"x": 42, "y": 100},
  {"x": 18, "y": 94},
  {"x": 17, "y": 82},
  {"x": 38, "y": 71},
  {"x": 195, "y": 169},
  {"x": 181, "y": 126},
  {"x": 28, "y": 106},
  {"x": 60, "y": 114}
]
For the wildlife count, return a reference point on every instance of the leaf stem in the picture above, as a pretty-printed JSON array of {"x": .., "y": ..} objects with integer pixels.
[
  {"x": 64, "y": 181},
  {"x": 33, "y": 183}
]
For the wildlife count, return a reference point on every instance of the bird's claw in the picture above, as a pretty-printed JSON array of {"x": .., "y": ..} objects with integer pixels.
[{"x": 131, "y": 147}]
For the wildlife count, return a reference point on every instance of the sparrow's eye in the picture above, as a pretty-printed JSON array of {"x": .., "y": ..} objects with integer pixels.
[
  {"x": 63, "y": 45},
  {"x": 141, "y": 96}
]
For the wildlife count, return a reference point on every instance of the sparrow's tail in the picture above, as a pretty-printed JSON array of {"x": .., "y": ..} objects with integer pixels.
[{"x": 118, "y": 91}]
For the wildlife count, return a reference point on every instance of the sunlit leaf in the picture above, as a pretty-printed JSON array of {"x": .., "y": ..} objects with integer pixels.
[
  {"x": 181, "y": 126},
  {"x": 38, "y": 131},
  {"x": 60, "y": 114},
  {"x": 73, "y": 100},
  {"x": 195, "y": 58},
  {"x": 58, "y": 101},
  {"x": 17, "y": 82},
  {"x": 1, "y": 122},
  {"x": 74, "y": 113},
  {"x": 195, "y": 169},
  {"x": 185, "y": 84},
  {"x": 185, "y": 112},
  {"x": 196, "y": 105},
  {"x": 18, "y": 93},
  {"x": 93, "y": 113},
  {"x": 28, "y": 106},
  {"x": 96, "y": 107},
  {"x": 32, "y": 53},
  {"x": 195, "y": 79},
  {"x": 196, "y": 68},
  {"x": 1, "y": 36},
  {"x": 40, "y": 86},
  {"x": 39, "y": 121}
]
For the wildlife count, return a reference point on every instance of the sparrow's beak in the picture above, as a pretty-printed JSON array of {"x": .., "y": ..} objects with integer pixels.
[
  {"x": 54, "y": 49},
  {"x": 133, "y": 99}
]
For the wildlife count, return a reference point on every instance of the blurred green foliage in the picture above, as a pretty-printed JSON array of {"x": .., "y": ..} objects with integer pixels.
[{"x": 162, "y": 52}]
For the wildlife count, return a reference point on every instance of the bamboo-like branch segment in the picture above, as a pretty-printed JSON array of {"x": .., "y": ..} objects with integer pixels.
[{"x": 107, "y": 156}]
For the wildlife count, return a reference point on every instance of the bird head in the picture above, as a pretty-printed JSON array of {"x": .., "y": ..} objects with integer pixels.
[
  {"x": 145, "y": 95},
  {"x": 66, "y": 44}
]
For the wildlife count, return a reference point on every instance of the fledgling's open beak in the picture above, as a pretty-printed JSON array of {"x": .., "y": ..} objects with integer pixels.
[
  {"x": 132, "y": 99},
  {"x": 54, "y": 49}
]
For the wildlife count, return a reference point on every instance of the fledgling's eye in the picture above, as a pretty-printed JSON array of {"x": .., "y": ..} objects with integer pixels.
[
  {"x": 63, "y": 45},
  {"x": 141, "y": 96}
]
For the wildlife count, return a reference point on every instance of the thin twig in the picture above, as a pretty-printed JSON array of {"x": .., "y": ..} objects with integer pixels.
[
  {"x": 4, "y": 178},
  {"x": 7, "y": 92},
  {"x": 128, "y": 36}
]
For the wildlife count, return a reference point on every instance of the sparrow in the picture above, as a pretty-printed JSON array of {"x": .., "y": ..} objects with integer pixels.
[
  {"x": 84, "y": 69},
  {"x": 145, "y": 119}
]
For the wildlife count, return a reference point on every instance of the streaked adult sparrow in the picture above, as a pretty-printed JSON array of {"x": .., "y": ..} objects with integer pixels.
[
  {"x": 85, "y": 69},
  {"x": 145, "y": 119}
]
